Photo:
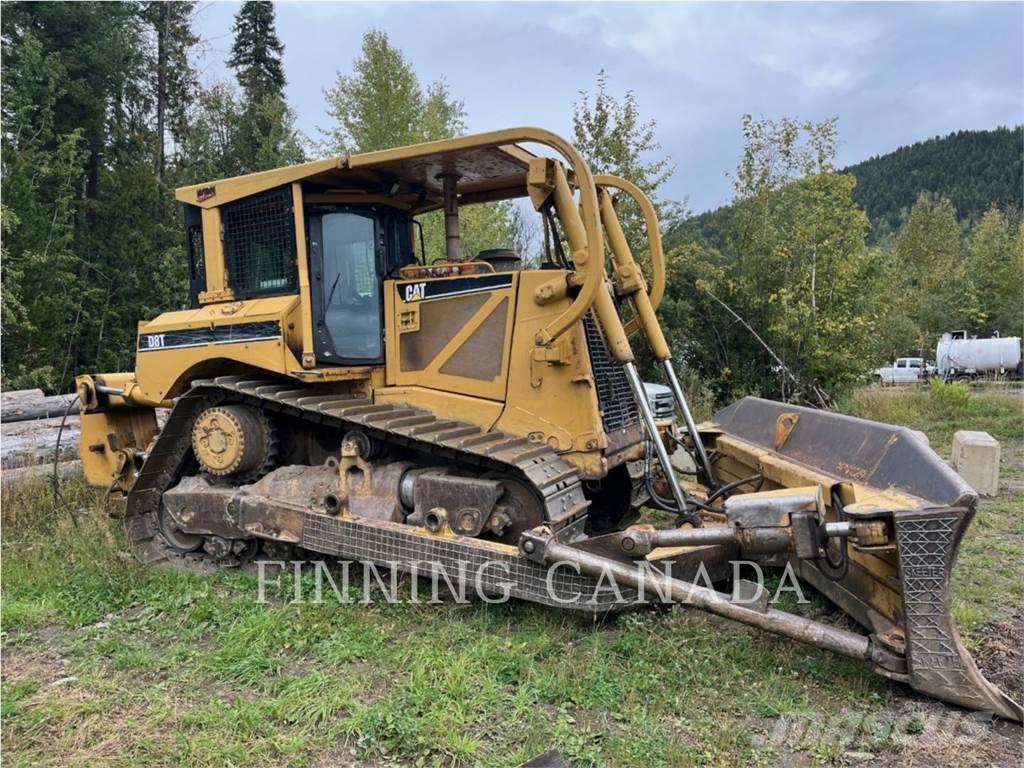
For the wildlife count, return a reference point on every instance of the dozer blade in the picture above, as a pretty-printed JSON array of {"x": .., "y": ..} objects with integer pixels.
[{"x": 899, "y": 590}]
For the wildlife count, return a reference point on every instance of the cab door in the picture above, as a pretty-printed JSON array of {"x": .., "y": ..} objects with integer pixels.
[
  {"x": 903, "y": 372},
  {"x": 347, "y": 256}
]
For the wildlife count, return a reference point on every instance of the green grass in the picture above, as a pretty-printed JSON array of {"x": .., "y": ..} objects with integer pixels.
[
  {"x": 205, "y": 676},
  {"x": 988, "y": 579},
  {"x": 940, "y": 409},
  {"x": 174, "y": 669}
]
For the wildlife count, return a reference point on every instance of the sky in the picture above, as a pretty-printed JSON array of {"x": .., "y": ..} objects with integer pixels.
[{"x": 892, "y": 73}]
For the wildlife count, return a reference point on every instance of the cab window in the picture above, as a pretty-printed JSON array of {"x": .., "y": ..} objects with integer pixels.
[
  {"x": 350, "y": 287},
  {"x": 352, "y": 250},
  {"x": 259, "y": 244}
]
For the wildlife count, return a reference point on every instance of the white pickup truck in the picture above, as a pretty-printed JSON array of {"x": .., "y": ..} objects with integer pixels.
[{"x": 905, "y": 370}]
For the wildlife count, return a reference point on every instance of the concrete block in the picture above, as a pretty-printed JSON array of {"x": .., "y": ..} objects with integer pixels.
[{"x": 976, "y": 460}]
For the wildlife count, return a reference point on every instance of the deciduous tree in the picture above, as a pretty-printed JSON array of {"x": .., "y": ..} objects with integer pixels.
[
  {"x": 614, "y": 138},
  {"x": 382, "y": 104},
  {"x": 996, "y": 268},
  {"x": 789, "y": 303},
  {"x": 936, "y": 291}
]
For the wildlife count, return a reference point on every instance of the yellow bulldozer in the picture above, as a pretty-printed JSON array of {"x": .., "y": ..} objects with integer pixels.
[{"x": 334, "y": 390}]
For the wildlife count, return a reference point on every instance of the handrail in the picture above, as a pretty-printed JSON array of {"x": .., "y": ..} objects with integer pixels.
[
  {"x": 658, "y": 275},
  {"x": 591, "y": 266}
]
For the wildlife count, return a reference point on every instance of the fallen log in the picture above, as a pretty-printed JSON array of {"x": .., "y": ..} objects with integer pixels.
[
  {"x": 26, "y": 405},
  {"x": 26, "y": 443},
  {"x": 20, "y": 395}
]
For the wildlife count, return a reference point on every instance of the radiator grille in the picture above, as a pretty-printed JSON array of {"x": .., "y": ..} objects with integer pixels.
[
  {"x": 614, "y": 397},
  {"x": 259, "y": 244}
]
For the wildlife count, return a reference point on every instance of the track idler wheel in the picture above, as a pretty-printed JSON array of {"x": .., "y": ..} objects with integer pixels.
[
  {"x": 519, "y": 509},
  {"x": 235, "y": 441}
]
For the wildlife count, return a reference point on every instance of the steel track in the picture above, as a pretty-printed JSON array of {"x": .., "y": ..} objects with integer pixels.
[{"x": 556, "y": 482}]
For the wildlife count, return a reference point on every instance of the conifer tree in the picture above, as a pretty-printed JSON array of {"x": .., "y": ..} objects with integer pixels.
[
  {"x": 174, "y": 81},
  {"x": 256, "y": 52},
  {"x": 266, "y": 136}
]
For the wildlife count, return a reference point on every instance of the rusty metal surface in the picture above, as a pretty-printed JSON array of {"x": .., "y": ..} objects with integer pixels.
[
  {"x": 469, "y": 501},
  {"x": 272, "y": 508},
  {"x": 897, "y": 588},
  {"x": 545, "y": 549},
  {"x": 555, "y": 480},
  {"x": 848, "y": 448},
  {"x": 229, "y": 512},
  {"x": 498, "y": 567}
]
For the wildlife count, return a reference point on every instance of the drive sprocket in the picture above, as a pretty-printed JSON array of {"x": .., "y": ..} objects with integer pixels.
[{"x": 235, "y": 441}]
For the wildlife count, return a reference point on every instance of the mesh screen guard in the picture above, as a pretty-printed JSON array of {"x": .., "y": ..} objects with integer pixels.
[{"x": 259, "y": 244}]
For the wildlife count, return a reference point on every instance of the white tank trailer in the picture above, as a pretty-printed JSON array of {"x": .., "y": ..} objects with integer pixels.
[{"x": 958, "y": 357}]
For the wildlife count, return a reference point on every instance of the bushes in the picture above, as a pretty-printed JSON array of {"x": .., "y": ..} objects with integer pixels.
[
  {"x": 948, "y": 397},
  {"x": 942, "y": 409}
]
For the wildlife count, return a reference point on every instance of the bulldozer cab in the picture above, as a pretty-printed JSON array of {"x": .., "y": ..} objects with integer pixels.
[
  {"x": 349, "y": 247},
  {"x": 347, "y": 250},
  {"x": 332, "y": 232}
]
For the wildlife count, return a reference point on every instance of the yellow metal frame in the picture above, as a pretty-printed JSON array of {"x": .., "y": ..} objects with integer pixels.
[
  {"x": 553, "y": 399},
  {"x": 216, "y": 193},
  {"x": 213, "y": 257},
  {"x": 658, "y": 271},
  {"x": 109, "y": 439},
  {"x": 308, "y": 357},
  {"x": 162, "y": 373},
  {"x": 589, "y": 268},
  {"x": 629, "y": 277}
]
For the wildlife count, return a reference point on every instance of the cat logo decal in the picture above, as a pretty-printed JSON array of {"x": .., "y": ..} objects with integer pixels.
[{"x": 415, "y": 291}]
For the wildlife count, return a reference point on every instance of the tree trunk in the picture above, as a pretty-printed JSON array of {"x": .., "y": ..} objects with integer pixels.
[
  {"x": 161, "y": 86},
  {"x": 27, "y": 406}
]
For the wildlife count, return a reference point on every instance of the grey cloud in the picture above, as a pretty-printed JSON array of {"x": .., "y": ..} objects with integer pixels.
[{"x": 892, "y": 73}]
